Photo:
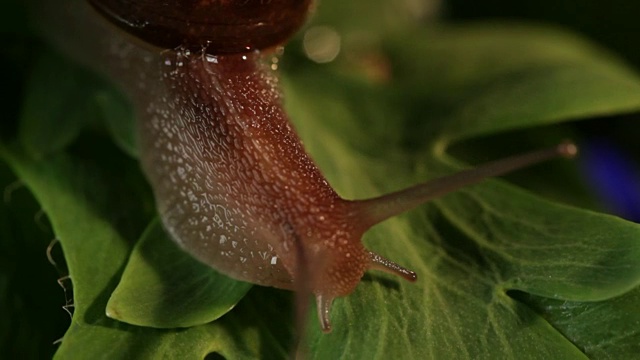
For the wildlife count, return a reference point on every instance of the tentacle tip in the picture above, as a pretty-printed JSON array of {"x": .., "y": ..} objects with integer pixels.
[
  {"x": 326, "y": 328},
  {"x": 324, "y": 310},
  {"x": 567, "y": 149},
  {"x": 411, "y": 276},
  {"x": 379, "y": 263}
]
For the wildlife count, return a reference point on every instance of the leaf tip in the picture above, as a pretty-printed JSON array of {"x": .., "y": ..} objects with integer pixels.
[{"x": 112, "y": 311}]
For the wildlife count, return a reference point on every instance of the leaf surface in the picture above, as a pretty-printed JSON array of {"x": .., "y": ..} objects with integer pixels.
[{"x": 164, "y": 287}]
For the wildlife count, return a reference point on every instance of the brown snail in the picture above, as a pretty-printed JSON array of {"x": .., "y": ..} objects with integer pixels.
[{"x": 232, "y": 182}]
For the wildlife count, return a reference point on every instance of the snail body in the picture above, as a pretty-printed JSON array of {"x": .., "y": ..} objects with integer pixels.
[
  {"x": 233, "y": 184},
  {"x": 235, "y": 187}
]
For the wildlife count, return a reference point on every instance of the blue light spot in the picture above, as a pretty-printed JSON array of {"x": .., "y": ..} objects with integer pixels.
[{"x": 614, "y": 177}]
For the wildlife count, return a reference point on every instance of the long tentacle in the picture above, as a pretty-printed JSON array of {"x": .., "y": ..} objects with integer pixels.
[{"x": 381, "y": 208}]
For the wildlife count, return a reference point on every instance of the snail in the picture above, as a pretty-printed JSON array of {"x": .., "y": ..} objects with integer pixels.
[{"x": 233, "y": 184}]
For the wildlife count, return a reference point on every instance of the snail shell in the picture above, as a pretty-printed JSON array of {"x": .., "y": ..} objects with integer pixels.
[{"x": 220, "y": 26}]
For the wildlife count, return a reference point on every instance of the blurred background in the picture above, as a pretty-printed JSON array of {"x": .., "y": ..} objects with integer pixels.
[{"x": 610, "y": 147}]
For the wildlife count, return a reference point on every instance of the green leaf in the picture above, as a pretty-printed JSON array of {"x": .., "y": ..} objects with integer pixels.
[
  {"x": 62, "y": 99},
  {"x": 585, "y": 256},
  {"x": 476, "y": 80},
  {"x": 605, "y": 329},
  {"x": 118, "y": 117},
  {"x": 84, "y": 196},
  {"x": 56, "y": 106},
  {"x": 474, "y": 246},
  {"x": 161, "y": 278}
]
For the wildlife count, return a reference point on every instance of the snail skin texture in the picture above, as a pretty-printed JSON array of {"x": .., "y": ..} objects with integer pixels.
[{"x": 233, "y": 184}]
